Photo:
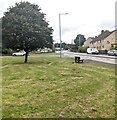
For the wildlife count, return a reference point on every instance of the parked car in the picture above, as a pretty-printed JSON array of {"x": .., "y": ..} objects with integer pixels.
[
  {"x": 19, "y": 53},
  {"x": 112, "y": 52},
  {"x": 92, "y": 51}
]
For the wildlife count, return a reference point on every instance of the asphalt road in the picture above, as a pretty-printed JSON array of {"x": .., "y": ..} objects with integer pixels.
[{"x": 85, "y": 56}]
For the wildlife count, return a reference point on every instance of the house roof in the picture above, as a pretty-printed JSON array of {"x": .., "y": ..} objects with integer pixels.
[{"x": 102, "y": 36}]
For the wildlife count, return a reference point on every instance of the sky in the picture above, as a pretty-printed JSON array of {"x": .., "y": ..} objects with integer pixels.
[{"x": 86, "y": 17}]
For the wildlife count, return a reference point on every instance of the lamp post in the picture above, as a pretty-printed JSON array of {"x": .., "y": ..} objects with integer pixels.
[{"x": 60, "y": 29}]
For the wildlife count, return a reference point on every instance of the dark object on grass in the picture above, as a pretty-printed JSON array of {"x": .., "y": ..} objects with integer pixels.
[{"x": 78, "y": 60}]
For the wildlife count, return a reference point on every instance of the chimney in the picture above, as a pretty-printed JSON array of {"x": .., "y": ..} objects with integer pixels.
[{"x": 102, "y": 31}]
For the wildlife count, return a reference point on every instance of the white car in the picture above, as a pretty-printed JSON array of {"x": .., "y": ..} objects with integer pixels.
[
  {"x": 19, "y": 54},
  {"x": 92, "y": 51}
]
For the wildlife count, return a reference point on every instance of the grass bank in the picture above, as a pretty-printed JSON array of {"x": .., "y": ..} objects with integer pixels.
[{"x": 52, "y": 87}]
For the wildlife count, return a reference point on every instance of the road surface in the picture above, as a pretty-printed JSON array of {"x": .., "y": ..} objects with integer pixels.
[{"x": 85, "y": 56}]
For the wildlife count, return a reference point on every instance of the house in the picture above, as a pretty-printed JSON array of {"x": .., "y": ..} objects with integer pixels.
[
  {"x": 103, "y": 41},
  {"x": 110, "y": 41},
  {"x": 87, "y": 42}
]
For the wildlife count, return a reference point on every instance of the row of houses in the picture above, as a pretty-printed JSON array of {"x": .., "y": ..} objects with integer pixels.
[{"x": 103, "y": 41}]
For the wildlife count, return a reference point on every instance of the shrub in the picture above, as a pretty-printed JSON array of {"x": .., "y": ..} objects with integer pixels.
[
  {"x": 6, "y": 51},
  {"x": 113, "y": 47},
  {"x": 82, "y": 49}
]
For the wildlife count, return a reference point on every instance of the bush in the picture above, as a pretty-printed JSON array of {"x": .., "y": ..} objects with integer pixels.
[
  {"x": 113, "y": 47},
  {"x": 6, "y": 51},
  {"x": 82, "y": 49}
]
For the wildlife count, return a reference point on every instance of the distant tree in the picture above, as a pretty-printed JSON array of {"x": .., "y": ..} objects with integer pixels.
[
  {"x": 79, "y": 41},
  {"x": 24, "y": 27},
  {"x": 65, "y": 46},
  {"x": 57, "y": 45},
  {"x": 73, "y": 48}
]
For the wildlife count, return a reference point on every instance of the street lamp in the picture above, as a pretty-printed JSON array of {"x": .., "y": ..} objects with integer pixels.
[{"x": 60, "y": 29}]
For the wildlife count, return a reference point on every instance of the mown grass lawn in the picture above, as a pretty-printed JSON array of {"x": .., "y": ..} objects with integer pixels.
[{"x": 50, "y": 87}]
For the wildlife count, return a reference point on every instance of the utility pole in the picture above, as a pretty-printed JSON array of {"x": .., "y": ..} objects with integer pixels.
[{"x": 60, "y": 29}]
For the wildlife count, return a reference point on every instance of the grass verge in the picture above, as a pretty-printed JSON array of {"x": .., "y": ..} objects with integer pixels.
[{"x": 50, "y": 87}]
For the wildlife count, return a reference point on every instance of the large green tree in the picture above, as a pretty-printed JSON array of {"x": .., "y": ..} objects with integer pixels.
[
  {"x": 24, "y": 27},
  {"x": 79, "y": 41}
]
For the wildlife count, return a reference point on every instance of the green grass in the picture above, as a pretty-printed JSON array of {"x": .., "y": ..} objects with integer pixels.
[{"x": 52, "y": 87}]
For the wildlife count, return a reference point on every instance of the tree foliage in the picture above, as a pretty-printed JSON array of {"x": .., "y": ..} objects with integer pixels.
[
  {"x": 79, "y": 40},
  {"x": 65, "y": 46},
  {"x": 24, "y": 27}
]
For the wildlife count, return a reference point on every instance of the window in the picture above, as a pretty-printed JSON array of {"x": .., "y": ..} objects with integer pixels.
[{"x": 108, "y": 42}]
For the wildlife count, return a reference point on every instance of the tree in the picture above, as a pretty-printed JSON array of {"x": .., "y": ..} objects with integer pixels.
[
  {"x": 24, "y": 27},
  {"x": 63, "y": 45},
  {"x": 79, "y": 40}
]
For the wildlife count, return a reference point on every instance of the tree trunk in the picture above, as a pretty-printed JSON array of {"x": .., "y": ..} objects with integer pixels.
[{"x": 26, "y": 57}]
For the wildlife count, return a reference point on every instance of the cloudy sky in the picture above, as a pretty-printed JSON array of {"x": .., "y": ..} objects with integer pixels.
[{"x": 87, "y": 17}]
